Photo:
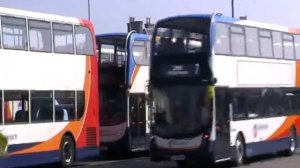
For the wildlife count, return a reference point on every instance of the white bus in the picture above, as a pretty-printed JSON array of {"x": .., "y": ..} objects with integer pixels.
[
  {"x": 223, "y": 89},
  {"x": 48, "y": 88}
]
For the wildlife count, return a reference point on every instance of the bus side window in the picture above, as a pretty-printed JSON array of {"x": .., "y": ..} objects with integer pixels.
[
  {"x": 178, "y": 46},
  {"x": 222, "y": 107},
  {"x": 41, "y": 106},
  {"x": 80, "y": 104},
  {"x": 165, "y": 43},
  {"x": 239, "y": 107},
  {"x": 16, "y": 106},
  {"x": 64, "y": 105}
]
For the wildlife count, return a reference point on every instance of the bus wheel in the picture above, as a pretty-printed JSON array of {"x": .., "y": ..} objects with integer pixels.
[
  {"x": 292, "y": 143},
  {"x": 67, "y": 151},
  {"x": 239, "y": 151}
]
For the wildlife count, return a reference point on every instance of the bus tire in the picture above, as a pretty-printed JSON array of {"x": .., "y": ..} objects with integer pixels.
[
  {"x": 292, "y": 143},
  {"x": 239, "y": 151},
  {"x": 67, "y": 152}
]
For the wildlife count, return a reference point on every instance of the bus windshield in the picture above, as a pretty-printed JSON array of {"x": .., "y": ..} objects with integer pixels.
[
  {"x": 112, "y": 54},
  {"x": 180, "y": 111},
  {"x": 181, "y": 36},
  {"x": 181, "y": 52}
]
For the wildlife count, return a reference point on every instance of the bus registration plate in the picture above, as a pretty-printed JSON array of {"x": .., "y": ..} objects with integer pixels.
[{"x": 178, "y": 157}]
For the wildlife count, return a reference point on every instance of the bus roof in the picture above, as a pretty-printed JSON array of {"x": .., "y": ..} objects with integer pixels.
[
  {"x": 112, "y": 35},
  {"x": 225, "y": 19},
  {"x": 36, "y": 15},
  {"x": 117, "y": 38},
  {"x": 112, "y": 38}
]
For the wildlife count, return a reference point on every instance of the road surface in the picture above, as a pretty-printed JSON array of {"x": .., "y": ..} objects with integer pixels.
[{"x": 144, "y": 162}]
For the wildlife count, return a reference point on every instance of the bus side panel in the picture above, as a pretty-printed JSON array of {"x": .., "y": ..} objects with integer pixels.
[
  {"x": 29, "y": 159},
  {"x": 265, "y": 135}
]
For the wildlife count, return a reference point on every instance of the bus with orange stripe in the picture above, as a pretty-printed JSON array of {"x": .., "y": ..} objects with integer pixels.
[
  {"x": 223, "y": 88},
  {"x": 48, "y": 89},
  {"x": 123, "y": 76}
]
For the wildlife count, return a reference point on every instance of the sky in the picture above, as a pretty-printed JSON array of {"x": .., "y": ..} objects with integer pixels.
[{"x": 113, "y": 15}]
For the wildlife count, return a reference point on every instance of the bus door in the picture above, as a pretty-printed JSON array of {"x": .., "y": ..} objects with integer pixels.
[
  {"x": 222, "y": 143},
  {"x": 137, "y": 121}
]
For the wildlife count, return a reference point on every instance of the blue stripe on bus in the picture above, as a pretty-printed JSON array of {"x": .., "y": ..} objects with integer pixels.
[
  {"x": 18, "y": 147},
  {"x": 217, "y": 18},
  {"x": 265, "y": 147},
  {"x": 226, "y": 19},
  {"x": 43, "y": 158}
]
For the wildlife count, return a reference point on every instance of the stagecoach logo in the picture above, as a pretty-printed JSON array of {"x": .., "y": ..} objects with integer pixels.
[
  {"x": 258, "y": 127},
  {"x": 254, "y": 131}
]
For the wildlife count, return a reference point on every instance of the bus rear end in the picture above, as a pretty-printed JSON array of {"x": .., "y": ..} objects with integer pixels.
[{"x": 181, "y": 90}]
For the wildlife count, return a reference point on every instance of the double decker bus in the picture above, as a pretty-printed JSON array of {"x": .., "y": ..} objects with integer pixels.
[
  {"x": 223, "y": 88},
  {"x": 48, "y": 89},
  {"x": 123, "y": 79}
]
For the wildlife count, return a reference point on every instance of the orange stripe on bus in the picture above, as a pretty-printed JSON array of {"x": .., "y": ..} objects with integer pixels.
[
  {"x": 284, "y": 129},
  {"x": 75, "y": 127},
  {"x": 135, "y": 72},
  {"x": 53, "y": 143},
  {"x": 297, "y": 73}
]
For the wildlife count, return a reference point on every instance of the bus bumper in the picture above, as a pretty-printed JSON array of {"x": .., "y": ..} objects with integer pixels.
[{"x": 204, "y": 152}]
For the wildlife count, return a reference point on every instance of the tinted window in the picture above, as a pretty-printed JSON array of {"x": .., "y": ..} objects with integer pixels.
[
  {"x": 84, "y": 41},
  {"x": 179, "y": 41},
  {"x": 239, "y": 106},
  {"x": 16, "y": 106},
  {"x": 277, "y": 44},
  {"x": 41, "y": 106},
  {"x": 14, "y": 33},
  {"x": 222, "y": 39},
  {"x": 80, "y": 104},
  {"x": 252, "y": 41},
  {"x": 63, "y": 38},
  {"x": 40, "y": 36},
  {"x": 64, "y": 105},
  {"x": 265, "y": 102}
]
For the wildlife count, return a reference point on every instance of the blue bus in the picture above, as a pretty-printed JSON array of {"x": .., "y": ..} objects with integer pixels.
[{"x": 123, "y": 80}]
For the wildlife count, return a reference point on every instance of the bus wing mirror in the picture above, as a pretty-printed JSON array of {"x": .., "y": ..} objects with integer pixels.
[{"x": 214, "y": 81}]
